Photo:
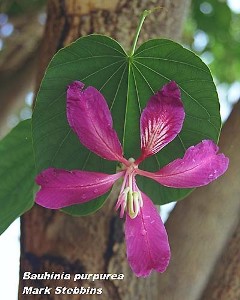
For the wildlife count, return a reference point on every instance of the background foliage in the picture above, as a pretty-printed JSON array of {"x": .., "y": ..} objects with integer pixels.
[{"x": 213, "y": 32}]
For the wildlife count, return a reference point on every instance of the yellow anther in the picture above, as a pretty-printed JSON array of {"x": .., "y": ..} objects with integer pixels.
[
  {"x": 131, "y": 160},
  {"x": 133, "y": 204}
]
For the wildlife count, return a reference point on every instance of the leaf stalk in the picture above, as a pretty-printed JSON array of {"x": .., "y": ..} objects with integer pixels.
[{"x": 139, "y": 27}]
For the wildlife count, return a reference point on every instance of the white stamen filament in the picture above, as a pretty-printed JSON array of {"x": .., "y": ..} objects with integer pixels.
[
  {"x": 130, "y": 198},
  {"x": 130, "y": 182},
  {"x": 136, "y": 204},
  {"x": 130, "y": 203},
  {"x": 123, "y": 184},
  {"x": 140, "y": 198}
]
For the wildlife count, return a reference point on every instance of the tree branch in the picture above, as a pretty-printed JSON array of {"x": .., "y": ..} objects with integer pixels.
[
  {"x": 200, "y": 226},
  {"x": 224, "y": 283}
]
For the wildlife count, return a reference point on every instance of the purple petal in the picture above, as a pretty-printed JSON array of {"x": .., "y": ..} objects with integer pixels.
[
  {"x": 61, "y": 188},
  {"x": 89, "y": 116},
  {"x": 200, "y": 165},
  {"x": 161, "y": 120},
  {"x": 147, "y": 241}
]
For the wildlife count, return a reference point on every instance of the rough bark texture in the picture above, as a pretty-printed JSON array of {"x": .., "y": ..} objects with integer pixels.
[
  {"x": 53, "y": 241},
  {"x": 67, "y": 20},
  {"x": 200, "y": 226},
  {"x": 224, "y": 284}
]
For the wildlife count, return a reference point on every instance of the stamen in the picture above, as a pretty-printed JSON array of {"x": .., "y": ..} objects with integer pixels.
[
  {"x": 133, "y": 204},
  {"x": 130, "y": 197},
  {"x": 123, "y": 209},
  {"x": 122, "y": 201},
  {"x": 136, "y": 203},
  {"x": 130, "y": 204},
  {"x": 130, "y": 182},
  {"x": 119, "y": 202},
  {"x": 140, "y": 197},
  {"x": 124, "y": 182},
  {"x": 131, "y": 160}
]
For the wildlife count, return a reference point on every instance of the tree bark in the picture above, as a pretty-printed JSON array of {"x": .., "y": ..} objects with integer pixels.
[
  {"x": 53, "y": 241},
  {"x": 224, "y": 283},
  {"x": 201, "y": 225}
]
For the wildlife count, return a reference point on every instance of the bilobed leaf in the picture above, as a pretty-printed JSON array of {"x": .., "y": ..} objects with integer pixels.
[
  {"x": 95, "y": 60},
  {"x": 157, "y": 62},
  {"x": 127, "y": 83},
  {"x": 17, "y": 171}
]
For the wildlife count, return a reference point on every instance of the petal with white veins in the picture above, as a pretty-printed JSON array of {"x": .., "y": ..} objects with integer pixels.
[{"x": 161, "y": 120}]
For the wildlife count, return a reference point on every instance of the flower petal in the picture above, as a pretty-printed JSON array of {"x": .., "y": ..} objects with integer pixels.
[
  {"x": 147, "y": 241},
  {"x": 61, "y": 188},
  {"x": 161, "y": 120},
  {"x": 200, "y": 165},
  {"x": 89, "y": 116}
]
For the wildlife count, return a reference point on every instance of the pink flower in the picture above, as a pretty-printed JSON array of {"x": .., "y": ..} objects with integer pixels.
[{"x": 89, "y": 116}]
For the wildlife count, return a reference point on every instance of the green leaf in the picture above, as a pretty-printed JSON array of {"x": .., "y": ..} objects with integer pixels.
[
  {"x": 55, "y": 144},
  {"x": 17, "y": 173},
  {"x": 127, "y": 83},
  {"x": 86, "y": 208},
  {"x": 155, "y": 63}
]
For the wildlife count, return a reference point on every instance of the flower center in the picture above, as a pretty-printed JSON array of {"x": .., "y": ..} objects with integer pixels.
[{"x": 130, "y": 198}]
